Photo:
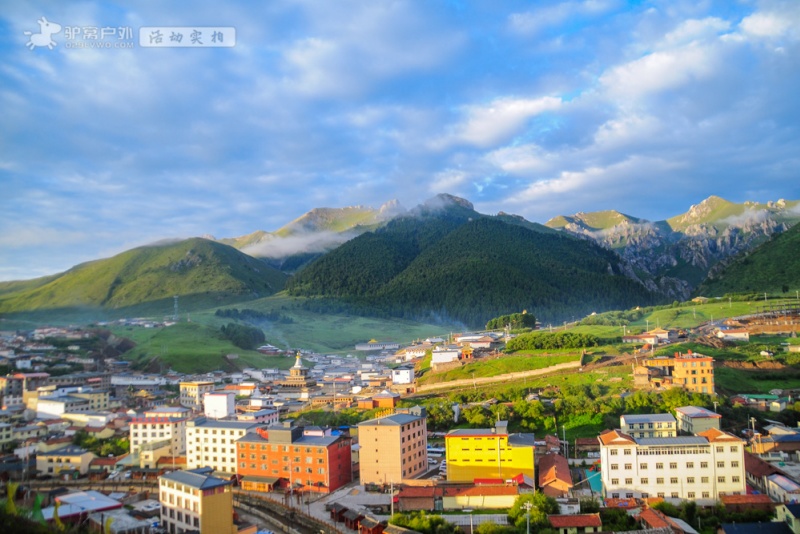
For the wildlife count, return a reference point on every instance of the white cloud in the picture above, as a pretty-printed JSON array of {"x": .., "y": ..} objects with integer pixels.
[
  {"x": 497, "y": 121},
  {"x": 536, "y": 20},
  {"x": 766, "y": 24},
  {"x": 309, "y": 242},
  {"x": 520, "y": 160},
  {"x": 661, "y": 71},
  {"x": 696, "y": 29},
  {"x": 447, "y": 181}
]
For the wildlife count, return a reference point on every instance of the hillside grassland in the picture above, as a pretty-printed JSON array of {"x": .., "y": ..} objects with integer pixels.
[{"x": 191, "y": 348}]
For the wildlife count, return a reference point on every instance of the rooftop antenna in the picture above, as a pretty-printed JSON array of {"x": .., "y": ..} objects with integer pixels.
[{"x": 175, "y": 313}]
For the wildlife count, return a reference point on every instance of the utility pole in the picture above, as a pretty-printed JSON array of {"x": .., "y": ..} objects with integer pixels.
[
  {"x": 528, "y": 506},
  {"x": 715, "y": 406},
  {"x": 391, "y": 497}
]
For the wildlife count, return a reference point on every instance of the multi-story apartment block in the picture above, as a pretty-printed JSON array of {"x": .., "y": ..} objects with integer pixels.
[
  {"x": 192, "y": 393},
  {"x": 658, "y": 425},
  {"x": 56, "y": 407},
  {"x": 15, "y": 389},
  {"x": 699, "y": 468},
  {"x": 195, "y": 501},
  {"x": 213, "y": 443},
  {"x": 158, "y": 425},
  {"x": 488, "y": 453},
  {"x": 692, "y": 372},
  {"x": 393, "y": 448},
  {"x": 285, "y": 454},
  {"x": 693, "y": 419},
  {"x": 96, "y": 381},
  {"x": 219, "y": 405}
]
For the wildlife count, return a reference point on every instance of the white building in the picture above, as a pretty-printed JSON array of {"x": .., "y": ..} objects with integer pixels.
[
  {"x": 656, "y": 425},
  {"x": 213, "y": 443},
  {"x": 694, "y": 419},
  {"x": 219, "y": 405},
  {"x": 159, "y": 424},
  {"x": 445, "y": 354},
  {"x": 403, "y": 375},
  {"x": 261, "y": 417},
  {"x": 56, "y": 407},
  {"x": 699, "y": 468}
]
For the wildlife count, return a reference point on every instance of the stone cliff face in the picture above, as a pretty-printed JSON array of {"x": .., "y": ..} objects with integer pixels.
[{"x": 675, "y": 256}]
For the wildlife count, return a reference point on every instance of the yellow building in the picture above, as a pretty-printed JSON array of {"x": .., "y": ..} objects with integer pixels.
[
  {"x": 196, "y": 501},
  {"x": 692, "y": 372},
  {"x": 488, "y": 453},
  {"x": 64, "y": 459},
  {"x": 192, "y": 393}
]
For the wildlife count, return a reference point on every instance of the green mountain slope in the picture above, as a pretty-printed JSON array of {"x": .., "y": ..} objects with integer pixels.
[
  {"x": 596, "y": 220},
  {"x": 447, "y": 261},
  {"x": 774, "y": 266},
  {"x": 194, "y": 269}
]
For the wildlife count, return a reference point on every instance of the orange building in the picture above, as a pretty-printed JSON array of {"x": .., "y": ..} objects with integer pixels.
[{"x": 285, "y": 455}]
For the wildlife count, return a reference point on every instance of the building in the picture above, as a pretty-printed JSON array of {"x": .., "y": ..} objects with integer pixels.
[
  {"x": 575, "y": 524},
  {"x": 195, "y": 501},
  {"x": 692, "y": 372},
  {"x": 403, "y": 375},
  {"x": 393, "y": 448},
  {"x": 18, "y": 387},
  {"x": 734, "y": 334},
  {"x": 298, "y": 377},
  {"x": 56, "y": 407},
  {"x": 488, "y": 453},
  {"x": 219, "y": 405},
  {"x": 555, "y": 479},
  {"x": 158, "y": 425},
  {"x": 789, "y": 514},
  {"x": 69, "y": 458},
  {"x": 192, "y": 393},
  {"x": 443, "y": 354},
  {"x": 699, "y": 468},
  {"x": 288, "y": 456},
  {"x": 694, "y": 419},
  {"x": 658, "y": 425},
  {"x": 264, "y": 417},
  {"x": 213, "y": 443}
]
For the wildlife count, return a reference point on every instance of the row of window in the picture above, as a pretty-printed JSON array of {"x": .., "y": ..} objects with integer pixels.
[
  {"x": 674, "y": 465},
  {"x": 674, "y": 480},
  {"x": 628, "y": 452}
]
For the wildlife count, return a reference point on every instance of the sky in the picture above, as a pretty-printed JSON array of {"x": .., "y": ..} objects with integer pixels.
[{"x": 111, "y": 140}]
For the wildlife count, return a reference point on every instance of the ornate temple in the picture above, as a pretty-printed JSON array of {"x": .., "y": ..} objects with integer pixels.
[{"x": 298, "y": 377}]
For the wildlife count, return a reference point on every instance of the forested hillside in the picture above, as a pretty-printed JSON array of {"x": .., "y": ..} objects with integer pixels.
[
  {"x": 458, "y": 265},
  {"x": 772, "y": 267}
]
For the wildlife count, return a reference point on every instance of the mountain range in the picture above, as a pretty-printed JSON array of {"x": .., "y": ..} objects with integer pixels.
[{"x": 441, "y": 259}]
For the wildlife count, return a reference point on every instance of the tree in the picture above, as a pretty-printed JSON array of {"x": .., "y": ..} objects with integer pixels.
[{"x": 541, "y": 507}]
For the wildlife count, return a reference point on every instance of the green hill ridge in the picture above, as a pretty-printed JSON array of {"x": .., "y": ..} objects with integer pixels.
[{"x": 197, "y": 270}]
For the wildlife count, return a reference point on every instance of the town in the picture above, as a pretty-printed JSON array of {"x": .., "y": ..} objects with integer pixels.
[{"x": 241, "y": 452}]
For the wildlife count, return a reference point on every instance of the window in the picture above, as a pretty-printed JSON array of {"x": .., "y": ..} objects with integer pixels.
[
  {"x": 689, "y": 465},
  {"x": 614, "y": 481},
  {"x": 644, "y": 481},
  {"x": 734, "y": 448},
  {"x": 720, "y": 465},
  {"x": 628, "y": 466},
  {"x": 721, "y": 480},
  {"x": 706, "y": 495},
  {"x": 674, "y": 495},
  {"x": 690, "y": 480},
  {"x": 643, "y": 466},
  {"x": 613, "y": 452},
  {"x": 720, "y": 449},
  {"x": 673, "y": 465},
  {"x": 690, "y": 495},
  {"x": 629, "y": 481},
  {"x": 659, "y": 481},
  {"x": 659, "y": 466},
  {"x": 626, "y": 452},
  {"x": 704, "y": 480},
  {"x": 614, "y": 467},
  {"x": 735, "y": 479},
  {"x": 673, "y": 480},
  {"x": 734, "y": 464},
  {"x": 703, "y": 465},
  {"x": 660, "y": 494}
]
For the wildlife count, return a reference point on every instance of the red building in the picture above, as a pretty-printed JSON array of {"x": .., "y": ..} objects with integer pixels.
[{"x": 287, "y": 455}]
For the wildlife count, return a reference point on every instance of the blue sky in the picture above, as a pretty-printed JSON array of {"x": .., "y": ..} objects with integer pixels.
[{"x": 533, "y": 108}]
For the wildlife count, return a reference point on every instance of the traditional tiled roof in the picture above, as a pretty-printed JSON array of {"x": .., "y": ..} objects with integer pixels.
[
  {"x": 713, "y": 435},
  {"x": 554, "y": 467},
  {"x": 745, "y": 499},
  {"x": 615, "y": 437},
  {"x": 757, "y": 467},
  {"x": 655, "y": 519},
  {"x": 575, "y": 521}
]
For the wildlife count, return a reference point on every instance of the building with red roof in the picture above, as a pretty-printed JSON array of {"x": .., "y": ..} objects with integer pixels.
[{"x": 576, "y": 524}]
